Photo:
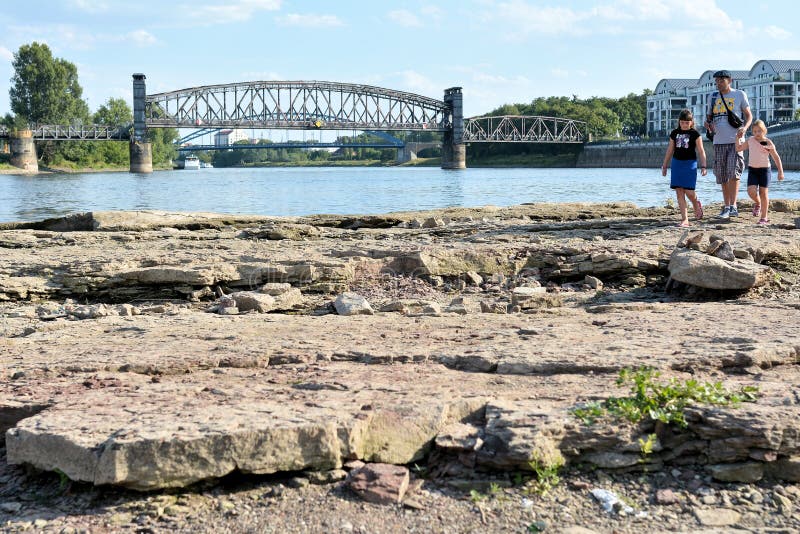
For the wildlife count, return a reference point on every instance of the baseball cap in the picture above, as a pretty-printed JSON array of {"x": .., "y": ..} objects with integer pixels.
[{"x": 722, "y": 74}]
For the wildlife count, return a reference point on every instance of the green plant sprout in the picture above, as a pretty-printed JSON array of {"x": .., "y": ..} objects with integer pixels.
[{"x": 646, "y": 445}]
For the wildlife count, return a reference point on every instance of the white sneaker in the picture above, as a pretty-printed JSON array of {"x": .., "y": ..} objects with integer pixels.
[
  {"x": 725, "y": 213},
  {"x": 734, "y": 211}
]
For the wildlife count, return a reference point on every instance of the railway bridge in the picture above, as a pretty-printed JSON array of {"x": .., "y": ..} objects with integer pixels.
[{"x": 303, "y": 105}]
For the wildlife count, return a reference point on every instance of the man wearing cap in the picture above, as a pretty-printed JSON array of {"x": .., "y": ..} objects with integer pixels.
[{"x": 728, "y": 163}]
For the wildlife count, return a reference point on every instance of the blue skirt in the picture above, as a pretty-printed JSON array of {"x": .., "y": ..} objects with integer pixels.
[{"x": 683, "y": 173}]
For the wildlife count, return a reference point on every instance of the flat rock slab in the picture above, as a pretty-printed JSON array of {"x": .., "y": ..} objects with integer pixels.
[
  {"x": 184, "y": 397},
  {"x": 176, "y": 394},
  {"x": 143, "y": 434}
]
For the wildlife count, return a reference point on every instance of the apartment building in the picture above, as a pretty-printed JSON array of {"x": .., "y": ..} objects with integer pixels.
[
  {"x": 229, "y": 137},
  {"x": 772, "y": 86}
]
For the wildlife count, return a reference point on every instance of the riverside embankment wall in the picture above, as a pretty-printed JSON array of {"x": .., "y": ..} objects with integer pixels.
[{"x": 651, "y": 154}]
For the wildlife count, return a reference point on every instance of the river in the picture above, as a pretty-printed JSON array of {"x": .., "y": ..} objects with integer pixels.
[{"x": 290, "y": 191}]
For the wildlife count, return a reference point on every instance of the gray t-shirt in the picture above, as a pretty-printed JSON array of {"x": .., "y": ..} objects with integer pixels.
[{"x": 737, "y": 102}]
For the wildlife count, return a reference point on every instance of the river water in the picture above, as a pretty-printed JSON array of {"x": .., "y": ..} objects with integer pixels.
[{"x": 354, "y": 190}]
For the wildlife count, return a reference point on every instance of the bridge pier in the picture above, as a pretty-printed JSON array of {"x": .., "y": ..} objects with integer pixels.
[
  {"x": 141, "y": 157},
  {"x": 454, "y": 156},
  {"x": 454, "y": 151},
  {"x": 405, "y": 154},
  {"x": 140, "y": 150},
  {"x": 23, "y": 151}
]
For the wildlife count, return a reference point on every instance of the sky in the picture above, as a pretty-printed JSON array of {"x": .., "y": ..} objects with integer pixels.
[{"x": 499, "y": 52}]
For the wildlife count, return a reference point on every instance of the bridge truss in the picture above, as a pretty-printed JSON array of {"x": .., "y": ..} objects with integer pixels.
[
  {"x": 295, "y": 105},
  {"x": 91, "y": 132},
  {"x": 522, "y": 129}
]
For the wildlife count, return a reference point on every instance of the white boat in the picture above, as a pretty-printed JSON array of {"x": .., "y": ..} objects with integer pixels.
[
  {"x": 191, "y": 162},
  {"x": 204, "y": 165}
]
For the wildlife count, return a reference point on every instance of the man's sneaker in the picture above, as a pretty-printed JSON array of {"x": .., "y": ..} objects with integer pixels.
[
  {"x": 725, "y": 213},
  {"x": 734, "y": 211}
]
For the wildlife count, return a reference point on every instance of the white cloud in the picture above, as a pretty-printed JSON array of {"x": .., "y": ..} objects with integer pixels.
[
  {"x": 141, "y": 38},
  {"x": 310, "y": 20},
  {"x": 777, "y": 33},
  {"x": 405, "y": 18},
  {"x": 6, "y": 54},
  {"x": 525, "y": 18},
  {"x": 418, "y": 83},
  {"x": 237, "y": 11},
  {"x": 434, "y": 12},
  {"x": 54, "y": 35},
  {"x": 90, "y": 6}
]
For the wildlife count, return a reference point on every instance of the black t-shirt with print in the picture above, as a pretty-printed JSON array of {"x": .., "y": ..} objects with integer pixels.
[{"x": 685, "y": 143}]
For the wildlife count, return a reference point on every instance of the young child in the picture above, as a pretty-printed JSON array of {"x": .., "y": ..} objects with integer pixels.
[
  {"x": 685, "y": 145},
  {"x": 758, "y": 169}
]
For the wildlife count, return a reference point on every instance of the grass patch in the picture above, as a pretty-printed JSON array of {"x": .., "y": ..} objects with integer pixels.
[{"x": 664, "y": 401}]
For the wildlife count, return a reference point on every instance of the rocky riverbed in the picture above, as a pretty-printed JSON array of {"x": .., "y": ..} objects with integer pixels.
[{"x": 406, "y": 372}]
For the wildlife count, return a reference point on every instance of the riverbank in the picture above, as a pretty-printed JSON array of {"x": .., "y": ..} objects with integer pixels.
[{"x": 245, "y": 360}]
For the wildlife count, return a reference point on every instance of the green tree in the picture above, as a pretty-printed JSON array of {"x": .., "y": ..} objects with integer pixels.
[
  {"x": 162, "y": 141},
  {"x": 45, "y": 90},
  {"x": 115, "y": 112}
]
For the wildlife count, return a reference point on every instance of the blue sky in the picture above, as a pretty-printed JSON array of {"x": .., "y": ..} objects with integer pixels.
[{"x": 499, "y": 51}]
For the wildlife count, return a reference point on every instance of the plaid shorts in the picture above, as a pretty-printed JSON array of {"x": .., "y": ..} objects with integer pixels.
[{"x": 728, "y": 164}]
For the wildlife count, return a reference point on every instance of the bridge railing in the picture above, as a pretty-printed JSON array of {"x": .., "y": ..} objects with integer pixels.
[
  {"x": 89, "y": 132},
  {"x": 522, "y": 129}
]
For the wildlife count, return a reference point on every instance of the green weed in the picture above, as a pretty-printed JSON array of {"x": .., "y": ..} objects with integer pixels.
[
  {"x": 547, "y": 473},
  {"x": 663, "y": 402},
  {"x": 476, "y": 496},
  {"x": 63, "y": 480},
  {"x": 646, "y": 445}
]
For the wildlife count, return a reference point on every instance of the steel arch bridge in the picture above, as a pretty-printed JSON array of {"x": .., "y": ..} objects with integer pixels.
[
  {"x": 522, "y": 129},
  {"x": 296, "y": 105}
]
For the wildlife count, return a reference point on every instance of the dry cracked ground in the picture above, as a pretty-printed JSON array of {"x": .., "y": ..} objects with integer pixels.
[{"x": 200, "y": 372}]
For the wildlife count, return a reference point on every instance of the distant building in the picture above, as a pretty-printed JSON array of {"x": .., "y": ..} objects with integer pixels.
[
  {"x": 229, "y": 137},
  {"x": 773, "y": 88}
]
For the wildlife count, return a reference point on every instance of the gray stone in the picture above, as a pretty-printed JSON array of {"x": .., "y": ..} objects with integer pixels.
[
  {"x": 251, "y": 301},
  {"x": 593, "y": 282},
  {"x": 276, "y": 288},
  {"x": 352, "y": 304},
  {"x": 126, "y": 310},
  {"x": 473, "y": 278},
  {"x": 721, "y": 250},
  {"x": 717, "y": 517},
  {"x": 493, "y": 307},
  {"x": 459, "y": 437},
  {"x": 739, "y": 472},
  {"x": 433, "y": 222},
  {"x": 694, "y": 238},
  {"x": 92, "y": 311},
  {"x": 463, "y": 306},
  {"x": 529, "y": 297},
  {"x": 784, "y": 469},
  {"x": 783, "y": 504},
  {"x": 698, "y": 269}
]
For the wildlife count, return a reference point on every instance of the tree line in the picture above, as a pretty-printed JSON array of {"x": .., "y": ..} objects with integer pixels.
[
  {"x": 604, "y": 117},
  {"x": 45, "y": 90}
]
